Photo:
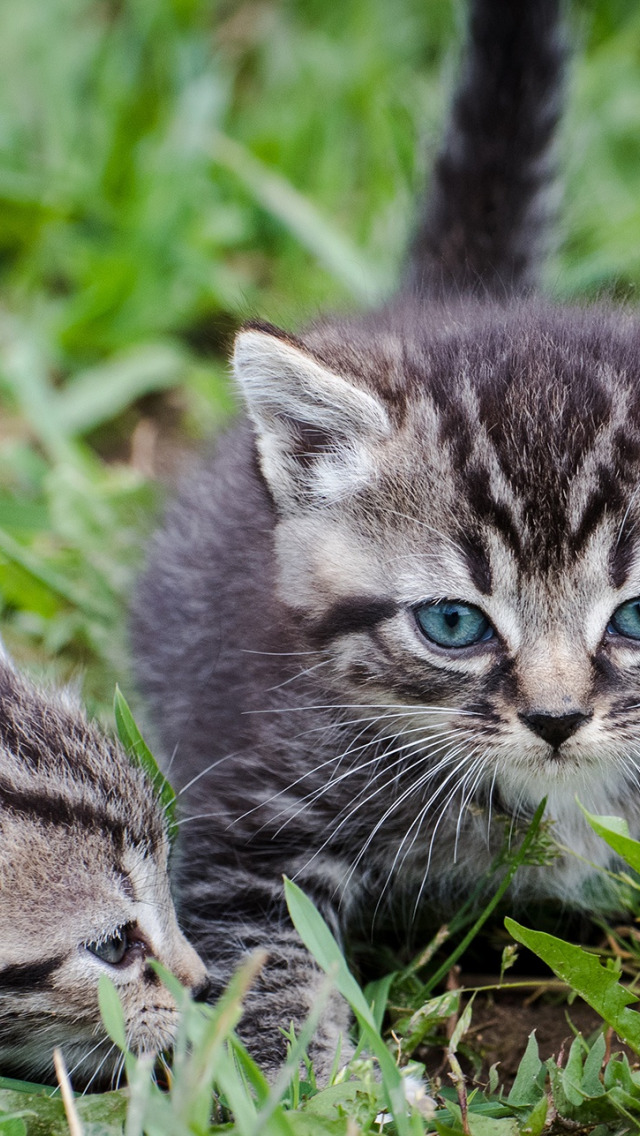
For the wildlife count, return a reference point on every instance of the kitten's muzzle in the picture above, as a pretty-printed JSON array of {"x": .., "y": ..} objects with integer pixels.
[
  {"x": 201, "y": 992},
  {"x": 555, "y": 728}
]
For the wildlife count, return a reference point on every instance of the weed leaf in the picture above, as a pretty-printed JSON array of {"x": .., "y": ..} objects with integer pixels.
[
  {"x": 597, "y": 984},
  {"x": 616, "y": 833}
]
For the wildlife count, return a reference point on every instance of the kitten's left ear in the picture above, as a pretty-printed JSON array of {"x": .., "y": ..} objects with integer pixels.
[{"x": 316, "y": 430}]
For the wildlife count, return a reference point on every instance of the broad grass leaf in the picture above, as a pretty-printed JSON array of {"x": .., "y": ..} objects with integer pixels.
[
  {"x": 480, "y": 1124},
  {"x": 534, "y": 1123},
  {"x": 14, "y": 1085},
  {"x": 572, "y": 1073},
  {"x": 591, "y": 1080},
  {"x": 112, "y": 1013},
  {"x": 528, "y": 1097},
  {"x": 201, "y": 1050},
  {"x": 235, "y": 1071},
  {"x": 141, "y": 755},
  {"x": 43, "y": 1114},
  {"x": 298, "y": 214},
  {"x": 12, "y": 1126},
  {"x": 319, "y": 940},
  {"x": 100, "y": 393},
  {"x": 618, "y": 1072},
  {"x": 492, "y": 1125},
  {"x": 597, "y": 984},
  {"x": 173, "y": 984},
  {"x": 302, "y": 1124},
  {"x": 574, "y": 1104},
  {"x": 343, "y": 1096},
  {"x": 615, "y": 831},
  {"x": 426, "y": 1018},
  {"x": 461, "y": 1028},
  {"x": 377, "y": 995},
  {"x": 233, "y": 1076}
]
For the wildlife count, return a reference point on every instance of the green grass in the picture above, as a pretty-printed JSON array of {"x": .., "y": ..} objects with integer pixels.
[
  {"x": 168, "y": 167},
  {"x": 215, "y": 1086}
]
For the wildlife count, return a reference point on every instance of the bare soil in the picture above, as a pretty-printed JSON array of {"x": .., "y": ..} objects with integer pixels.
[{"x": 503, "y": 1021}]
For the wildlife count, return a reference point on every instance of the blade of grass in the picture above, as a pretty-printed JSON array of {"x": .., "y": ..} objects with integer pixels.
[
  {"x": 56, "y": 583},
  {"x": 321, "y": 943},
  {"x": 275, "y": 194},
  {"x": 94, "y": 396},
  {"x": 141, "y": 755}
]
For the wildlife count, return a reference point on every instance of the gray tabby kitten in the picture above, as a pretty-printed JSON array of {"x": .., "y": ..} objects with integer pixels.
[
  {"x": 405, "y": 595},
  {"x": 83, "y": 892}
]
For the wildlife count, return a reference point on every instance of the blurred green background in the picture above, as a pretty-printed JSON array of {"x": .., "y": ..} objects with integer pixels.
[{"x": 168, "y": 167}]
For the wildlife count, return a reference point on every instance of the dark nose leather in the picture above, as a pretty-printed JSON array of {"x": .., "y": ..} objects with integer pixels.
[
  {"x": 555, "y": 728},
  {"x": 200, "y": 992}
]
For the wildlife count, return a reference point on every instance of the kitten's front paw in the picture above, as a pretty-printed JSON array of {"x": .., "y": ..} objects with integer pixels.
[
  {"x": 330, "y": 1051},
  {"x": 267, "y": 1016}
]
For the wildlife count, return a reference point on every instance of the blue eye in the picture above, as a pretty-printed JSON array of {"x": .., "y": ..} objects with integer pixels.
[
  {"x": 111, "y": 950},
  {"x": 626, "y": 619},
  {"x": 453, "y": 624}
]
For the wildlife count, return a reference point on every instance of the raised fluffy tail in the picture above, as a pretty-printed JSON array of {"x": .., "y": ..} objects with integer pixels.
[{"x": 487, "y": 211}]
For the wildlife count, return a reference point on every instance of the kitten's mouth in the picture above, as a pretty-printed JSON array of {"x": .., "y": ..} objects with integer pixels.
[{"x": 558, "y": 755}]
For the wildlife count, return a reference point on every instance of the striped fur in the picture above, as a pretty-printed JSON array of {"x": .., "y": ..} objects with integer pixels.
[
  {"x": 83, "y": 854},
  {"x": 467, "y": 442}
]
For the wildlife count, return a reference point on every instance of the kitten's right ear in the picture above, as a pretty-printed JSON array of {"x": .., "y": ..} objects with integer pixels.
[{"x": 316, "y": 430}]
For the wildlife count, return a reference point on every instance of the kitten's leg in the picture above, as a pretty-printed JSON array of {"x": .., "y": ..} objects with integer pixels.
[
  {"x": 289, "y": 983},
  {"x": 285, "y": 993}
]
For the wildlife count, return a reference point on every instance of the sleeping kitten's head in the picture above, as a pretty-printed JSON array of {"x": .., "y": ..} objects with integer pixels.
[
  {"x": 83, "y": 891},
  {"x": 459, "y": 530}
]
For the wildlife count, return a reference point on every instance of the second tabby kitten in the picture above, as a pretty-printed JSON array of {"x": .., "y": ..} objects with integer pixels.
[
  {"x": 84, "y": 891},
  {"x": 405, "y": 595}
]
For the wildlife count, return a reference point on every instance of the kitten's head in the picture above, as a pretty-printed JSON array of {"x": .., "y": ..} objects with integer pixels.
[
  {"x": 83, "y": 892},
  {"x": 458, "y": 529}
]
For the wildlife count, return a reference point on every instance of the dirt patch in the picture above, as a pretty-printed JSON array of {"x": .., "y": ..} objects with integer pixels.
[{"x": 502, "y": 1023}]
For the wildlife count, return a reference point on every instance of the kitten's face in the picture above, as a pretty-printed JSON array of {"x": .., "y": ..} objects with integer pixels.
[
  {"x": 466, "y": 538},
  {"x": 83, "y": 892}
]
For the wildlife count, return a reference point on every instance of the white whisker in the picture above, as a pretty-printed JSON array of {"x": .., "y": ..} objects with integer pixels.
[
  {"x": 300, "y": 674},
  {"x": 490, "y": 809},
  {"x": 479, "y": 765},
  {"x": 420, "y": 816},
  {"x": 98, "y": 1069},
  {"x": 85, "y": 1056},
  {"x": 419, "y": 709},
  {"x": 430, "y": 773},
  {"x": 332, "y": 783},
  {"x": 443, "y": 810},
  {"x": 409, "y": 792}
]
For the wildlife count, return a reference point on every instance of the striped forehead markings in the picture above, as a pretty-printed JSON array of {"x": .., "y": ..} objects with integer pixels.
[{"x": 55, "y": 810}]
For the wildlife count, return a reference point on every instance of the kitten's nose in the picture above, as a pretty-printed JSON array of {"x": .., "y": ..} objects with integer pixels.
[
  {"x": 200, "y": 992},
  {"x": 555, "y": 728}
]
